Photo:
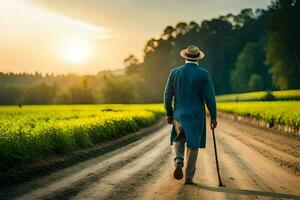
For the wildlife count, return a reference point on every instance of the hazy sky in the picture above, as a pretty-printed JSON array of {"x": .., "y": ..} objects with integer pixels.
[{"x": 87, "y": 36}]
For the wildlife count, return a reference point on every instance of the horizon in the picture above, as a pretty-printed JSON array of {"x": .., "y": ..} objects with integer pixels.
[
  {"x": 44, "y": 74},
  {"x": 61, "y": 37}
]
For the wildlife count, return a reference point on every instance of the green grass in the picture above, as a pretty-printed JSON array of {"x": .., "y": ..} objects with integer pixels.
[
  {"x": 37, "y": 132},
  {"x": 261, "y": 96},
  {"x": 285, "y": 113},
  {"x": 287, "y": 95}
]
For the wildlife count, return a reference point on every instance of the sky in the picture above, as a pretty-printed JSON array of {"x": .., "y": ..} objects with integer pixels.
[{"x": 88, "y": 36}]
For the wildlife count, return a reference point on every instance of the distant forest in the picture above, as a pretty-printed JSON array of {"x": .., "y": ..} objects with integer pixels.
[{"x": 250, "y": 51}]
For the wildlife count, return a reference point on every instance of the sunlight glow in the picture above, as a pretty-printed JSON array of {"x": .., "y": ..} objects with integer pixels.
[
  {"x": 76, "y": 51},
  {"x": 28, "y": 30}
]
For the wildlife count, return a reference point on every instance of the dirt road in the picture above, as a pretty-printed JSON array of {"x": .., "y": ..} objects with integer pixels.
[{"x": 255, "y": 164}]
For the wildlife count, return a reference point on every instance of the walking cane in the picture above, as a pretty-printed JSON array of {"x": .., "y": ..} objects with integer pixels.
[{"x": 216, "y": 156}]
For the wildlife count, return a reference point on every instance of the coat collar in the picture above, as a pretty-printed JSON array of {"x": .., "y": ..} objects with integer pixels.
[{"x": 187, "y": 61}]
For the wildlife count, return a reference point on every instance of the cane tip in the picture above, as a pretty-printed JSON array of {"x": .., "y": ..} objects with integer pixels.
[{"x": 221, "y": 185}]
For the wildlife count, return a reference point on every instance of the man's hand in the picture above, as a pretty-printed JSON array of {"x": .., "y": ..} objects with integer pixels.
[
  {"x": 169, "y": 120},
  {"x": 213, "y": 124}
]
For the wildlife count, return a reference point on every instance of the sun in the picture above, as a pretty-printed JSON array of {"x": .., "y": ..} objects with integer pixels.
[{"x": 76, "y": 50}]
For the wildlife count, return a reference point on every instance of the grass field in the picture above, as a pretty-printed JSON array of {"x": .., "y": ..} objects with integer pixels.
[
  {"x": 34, "y": 132},
  {"x": 285, "y": 113},
  {"x": 261, "y": 96}
]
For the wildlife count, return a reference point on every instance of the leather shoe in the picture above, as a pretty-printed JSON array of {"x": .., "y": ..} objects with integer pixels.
[{"x": 178, "y": 174}]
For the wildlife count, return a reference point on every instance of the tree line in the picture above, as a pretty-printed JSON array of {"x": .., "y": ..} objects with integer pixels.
[{"x": 252, "y": 50}]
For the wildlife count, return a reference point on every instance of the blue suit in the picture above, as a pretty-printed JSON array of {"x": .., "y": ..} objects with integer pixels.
[{"x": 192, "y": 88}]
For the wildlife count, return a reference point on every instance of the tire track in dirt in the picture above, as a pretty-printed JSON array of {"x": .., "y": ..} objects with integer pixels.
[
  {"x": 137, "y": 184},
  {"x": 267, "y": 177},
  {"x": 281, "y": 158},
  {"x": 251, "y": 165},
  {"x": 112, "y": 184},
  {"x": 236, "y": 173},
  {"x": 284, "y": 149},
  {"x": 266, "y": 173}
]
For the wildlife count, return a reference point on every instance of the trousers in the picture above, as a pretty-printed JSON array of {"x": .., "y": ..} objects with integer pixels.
[{"x": 191, "y": 157}]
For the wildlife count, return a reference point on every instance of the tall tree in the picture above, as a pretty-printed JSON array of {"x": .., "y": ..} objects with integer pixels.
[
  {"x": 131, "y": 64},
  {"x": 283, "y": 47},
  {"x": 250, "y": 72}
]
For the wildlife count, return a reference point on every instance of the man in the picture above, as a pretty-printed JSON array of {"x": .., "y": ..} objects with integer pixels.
[{"x": 192, "y": 88}]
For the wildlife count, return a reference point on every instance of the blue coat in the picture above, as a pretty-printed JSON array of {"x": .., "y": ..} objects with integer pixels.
[{"x": 192, "y": 88}]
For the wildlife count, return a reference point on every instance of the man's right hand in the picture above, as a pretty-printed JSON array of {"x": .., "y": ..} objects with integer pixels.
[
  {"x": 213, "y": 124},
  {"x": 169, "y": 120}
]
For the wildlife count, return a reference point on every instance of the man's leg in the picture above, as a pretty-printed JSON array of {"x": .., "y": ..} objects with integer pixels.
[
  {"x": 191, "y": 158},
  {"x": 178, "y": 152}
]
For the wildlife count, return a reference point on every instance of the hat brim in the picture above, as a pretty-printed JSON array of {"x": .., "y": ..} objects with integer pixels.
[{"x": 184, "y": 55}]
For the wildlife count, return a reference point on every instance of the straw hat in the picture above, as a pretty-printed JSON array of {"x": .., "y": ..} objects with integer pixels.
[{"x": 192, "y": 52}]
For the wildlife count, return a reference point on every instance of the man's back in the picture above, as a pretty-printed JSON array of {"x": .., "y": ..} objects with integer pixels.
[
  {"x": 191, "y": 87},
  {"x": 189, "y": 80}
]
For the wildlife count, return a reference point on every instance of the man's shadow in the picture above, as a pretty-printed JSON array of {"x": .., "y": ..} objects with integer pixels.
[{"x": 245, "y": 192}]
